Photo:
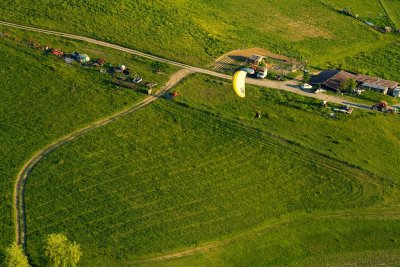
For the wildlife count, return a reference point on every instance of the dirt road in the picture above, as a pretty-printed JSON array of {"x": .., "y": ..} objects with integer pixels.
[
  {"x": 290, "y": 86},
  {"x": 19, "y": 189},
  {"x": 20, "y": 185}
]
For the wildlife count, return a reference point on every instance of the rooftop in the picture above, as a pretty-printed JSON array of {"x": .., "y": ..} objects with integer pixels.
[
  {"x": 377, "y": 82},
  {"x": 255, "y": 57}
]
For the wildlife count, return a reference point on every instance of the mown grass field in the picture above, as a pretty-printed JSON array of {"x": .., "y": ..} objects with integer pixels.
[
  {"x": 183, "y": 173},
  {"x": 197, "y": 32},
  {"x": 200, "y": 169},
  {"x": 43, "y": 99}
]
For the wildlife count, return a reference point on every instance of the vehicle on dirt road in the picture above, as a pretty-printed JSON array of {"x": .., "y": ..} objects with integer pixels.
[
  {"x": 262, "y": 73},
  {"x": 306, "y": 86},
  {"x": 384, "y": 107}
]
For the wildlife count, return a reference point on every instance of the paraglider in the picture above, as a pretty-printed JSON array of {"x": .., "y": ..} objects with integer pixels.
[{"x": 239, "y": 79}]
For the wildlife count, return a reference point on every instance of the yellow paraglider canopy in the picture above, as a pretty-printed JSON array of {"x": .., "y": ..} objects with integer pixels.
[{"x": 239, "y": 80}]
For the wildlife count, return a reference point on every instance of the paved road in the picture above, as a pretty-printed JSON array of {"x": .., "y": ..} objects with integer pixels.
[
  {"x": 291, "y": 86},
  {"x": 19, "y": 189}
]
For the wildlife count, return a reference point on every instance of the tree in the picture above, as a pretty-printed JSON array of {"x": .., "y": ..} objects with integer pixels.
[
  {"x": 156, "y": 66},
  {"x": 62, "y": 252},
  {"x": 16, "y": 257},
  {"x": 349, "y": 85}
]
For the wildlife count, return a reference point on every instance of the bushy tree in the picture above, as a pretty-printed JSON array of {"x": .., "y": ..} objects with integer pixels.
[
  {"x": 16, "y": 257},
  {"x": 349, "y": 85},
  {"x": 62, "y": 252}
]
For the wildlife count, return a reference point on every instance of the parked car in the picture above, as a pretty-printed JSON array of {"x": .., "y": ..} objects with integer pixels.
[
  {"x": 262, "y": 73},
  {"x": 320, "y": 91},
  {"x": 306, "y": 86}
]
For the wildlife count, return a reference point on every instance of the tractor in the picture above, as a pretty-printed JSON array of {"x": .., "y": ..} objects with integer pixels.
[{"x": 384, "y": 107}]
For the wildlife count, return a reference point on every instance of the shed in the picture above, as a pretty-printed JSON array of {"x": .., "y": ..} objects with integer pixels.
[
  {"x": 255, "y": 59},
  {"x": 332, "y": 79},
  {"x": 375, "y": 87},
  {"x": 323, "y": 77},
  {"x": 396, "y": 92},
  {"x": 376, "y": 84},
  {"x": 336, "y": 81}
]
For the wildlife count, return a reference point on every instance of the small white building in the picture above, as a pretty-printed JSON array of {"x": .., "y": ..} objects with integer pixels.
[{"x": 396, "y": 92}]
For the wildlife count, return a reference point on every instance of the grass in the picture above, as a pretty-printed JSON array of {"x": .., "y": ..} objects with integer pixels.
[
  {"x": 308, "y": 242},
  {"x": 369, "y": 97},
  {"x": 43, "y": 99},
  {"x": 203, "y": 154},
  {"x": 381, "y": 62},
  {"x": 186, "y": 172},
  {"x": 372, "y": 11},
  {"x": 199, "y": 32},
  {"x": 392, "y": 8}
]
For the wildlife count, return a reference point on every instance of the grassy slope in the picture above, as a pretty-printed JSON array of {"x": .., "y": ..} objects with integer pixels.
[
  {"x": 178, "y": 174},
  {"x": 197, "y": 32},
  {"x": 38, "y": 105}
]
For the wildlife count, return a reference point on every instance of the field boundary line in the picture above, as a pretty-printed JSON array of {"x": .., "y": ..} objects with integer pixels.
[{"x": 22, "y": 177}]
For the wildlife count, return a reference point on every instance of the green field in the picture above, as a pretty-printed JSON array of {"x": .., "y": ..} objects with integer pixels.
[
  {"x": 344, "y": 241},
  {"x": 382, "y": 62},
  {"x": 43, "y": 99},
  {"x": 183, "y": 173},
  {"x": 296, "y": 187},
  {"x": 197, "y": 32},
  {"x": 392, "y": 8}
]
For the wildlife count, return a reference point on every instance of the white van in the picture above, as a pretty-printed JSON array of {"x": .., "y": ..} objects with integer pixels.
[{"x": 262, "y": 73}]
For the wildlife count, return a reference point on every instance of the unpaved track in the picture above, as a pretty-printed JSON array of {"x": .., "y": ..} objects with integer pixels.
[
  {"x": 20, "y": 185},
  {"x": 19, "y": 190},
  {"x": 291, "y": 86}
]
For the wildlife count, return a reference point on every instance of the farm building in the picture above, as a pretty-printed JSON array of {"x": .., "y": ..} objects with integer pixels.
[
  {"x": 396, "y": 92},
  {"x": 376, "y": 84},
  {"x": 333, "y": 79},
  {"x": 255, "y": 59}
]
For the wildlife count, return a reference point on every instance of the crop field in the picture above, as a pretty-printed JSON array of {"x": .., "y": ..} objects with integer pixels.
[
  {"x": 184, "y": 172},
  {"x": 197, "y": 32},
  {"x": 42, "y": 99}
]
